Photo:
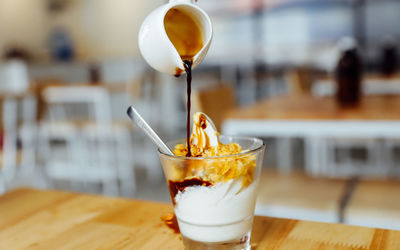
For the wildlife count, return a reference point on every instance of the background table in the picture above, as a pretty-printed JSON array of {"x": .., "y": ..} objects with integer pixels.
[
  {"x": 33, "y": 219},
  {"x": 371, "y": 85},
  {"x": 313, "y": 118}
]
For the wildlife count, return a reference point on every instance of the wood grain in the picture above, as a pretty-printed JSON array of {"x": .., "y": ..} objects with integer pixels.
[
  {"x": 33, "y": 219},
  {"x": 313, "y": 108}
]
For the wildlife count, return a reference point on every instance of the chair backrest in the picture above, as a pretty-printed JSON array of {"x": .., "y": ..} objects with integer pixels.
[
  {"x": 214, "y": 101},
  {"x": 14, "y": 77},
  {"x": 82, "y": 103}
]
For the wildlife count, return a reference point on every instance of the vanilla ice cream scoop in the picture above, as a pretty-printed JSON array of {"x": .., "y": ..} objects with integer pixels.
[{"x": 204, "y": 133}]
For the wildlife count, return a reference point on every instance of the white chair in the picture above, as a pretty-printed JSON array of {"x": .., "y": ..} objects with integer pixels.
[
  {"x": 14, "y": 77},
  {"x": 9, "y": 156},
  {"x": 27, "y": 133},
  {"x": 14, "y": 83},
  {"x": 378, "y": 157},
  {"x": 94, "y": 151},
  {"x": 390, "y": 156},
  {"x": 371, "y": 165},
  {"x": 152, "y": 98}
]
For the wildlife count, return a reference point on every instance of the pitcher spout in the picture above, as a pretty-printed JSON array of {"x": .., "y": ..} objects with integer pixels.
[{"x": 163, "y": 34}]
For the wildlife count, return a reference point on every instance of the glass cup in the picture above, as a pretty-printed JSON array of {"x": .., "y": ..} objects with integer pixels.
[{"x": 214, "y": 197}]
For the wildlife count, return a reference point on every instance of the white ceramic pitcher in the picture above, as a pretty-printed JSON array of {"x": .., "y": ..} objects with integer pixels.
[{"x": 155, "y": 46}]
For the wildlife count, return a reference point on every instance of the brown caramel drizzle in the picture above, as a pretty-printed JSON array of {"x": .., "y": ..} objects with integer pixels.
[
  {"x": 178, "y": 72},
  {"x": 202, "y": 122},
  {"x": 202, "y": 139},
  {"x": 176, "y": 186},
  {"x": 171, "y": 222}
]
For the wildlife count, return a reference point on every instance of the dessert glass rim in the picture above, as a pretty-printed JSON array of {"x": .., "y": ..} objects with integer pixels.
[{"x": 244, "y": 152}]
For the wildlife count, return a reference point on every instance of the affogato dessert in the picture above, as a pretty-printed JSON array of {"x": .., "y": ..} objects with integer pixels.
[{"x": 214, "y": 190}]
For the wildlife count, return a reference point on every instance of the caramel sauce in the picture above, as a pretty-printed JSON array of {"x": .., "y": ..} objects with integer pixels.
[
  {"x": 185, "y": 35},
  {"x": 171, "y": 222},
  {"x": 203, "y": 123},
  {"x": 198, "y": 131},
  {"x": 176, "y": 186},
  {"x": 178, "y": 72}
]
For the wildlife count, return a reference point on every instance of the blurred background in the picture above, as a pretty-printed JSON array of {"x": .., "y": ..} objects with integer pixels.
[{"x": 316, "y": 79}]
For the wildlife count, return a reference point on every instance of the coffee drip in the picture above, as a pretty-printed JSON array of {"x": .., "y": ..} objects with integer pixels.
[
  {"x": 188, "y": 69},
  {"x": 185, "y": 35}
]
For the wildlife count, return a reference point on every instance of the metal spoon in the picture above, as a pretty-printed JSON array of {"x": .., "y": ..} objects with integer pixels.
[{"x": 142, "y": 124}]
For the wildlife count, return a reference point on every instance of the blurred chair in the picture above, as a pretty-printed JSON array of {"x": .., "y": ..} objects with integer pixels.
[
  {"x": 391, "y": 156},
  {"x": 152, "y": 100},
  {"x": 298, "y": 196},
  {"x": 337, "y": 159},
  {"x": 9, "y": 142},
  {"x": 299, "y": 81},
  {"x": 14, "y": 77},
  {"x": 15, "y": 96},
  {"x": 214, "y": 101},
  {"x": 375, "y": 163},
  {"x": 96, "y": 150}
]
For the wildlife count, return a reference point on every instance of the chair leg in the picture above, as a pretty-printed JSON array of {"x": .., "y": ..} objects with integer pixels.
[
  {"x": 9, "y": 154},
  {"x": 387, "y": 156},
  {"x": 110, "y": 188},
  {"x": 284, "y": 154},
  {"x": 28, "y": 160},
  {"x": 2, "y": 184},
  {"x": 40, "y": 180},
  {"x": 127, "y": 180},
  {"x": 10, "y": 137},
  {"x": 313, "y": 160},
  {"x": 326, "y": 156}
]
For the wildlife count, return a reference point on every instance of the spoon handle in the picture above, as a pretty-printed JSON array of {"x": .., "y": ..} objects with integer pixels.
[{"x": 142, "y": 124}]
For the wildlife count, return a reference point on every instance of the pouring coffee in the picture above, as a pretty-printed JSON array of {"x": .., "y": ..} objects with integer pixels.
[
  {"x": 176, "y": 31},
  {"x": 174, "y": 39}
]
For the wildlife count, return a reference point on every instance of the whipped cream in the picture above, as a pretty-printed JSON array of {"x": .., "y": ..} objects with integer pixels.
[
  {"x": 216, "y": 213},
  {"x": 204, "y": 134}
]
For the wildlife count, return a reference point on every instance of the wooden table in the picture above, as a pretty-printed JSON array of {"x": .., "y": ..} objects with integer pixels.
[
  {"x": 375, "y": 116},
  {"x": 371, "y": 85},
  {"x": 33, "y": 219},
  {"x": 313, "y": 118},
  {"x": 313, "y": 108}
]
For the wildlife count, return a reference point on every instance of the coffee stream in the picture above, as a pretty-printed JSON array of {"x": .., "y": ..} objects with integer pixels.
[
  {"x": 188, "y": 69},
  {"x": 185, "y": 35}
]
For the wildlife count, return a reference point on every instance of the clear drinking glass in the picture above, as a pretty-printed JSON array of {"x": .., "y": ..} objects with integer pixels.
[{"x": 215, "y": 214}]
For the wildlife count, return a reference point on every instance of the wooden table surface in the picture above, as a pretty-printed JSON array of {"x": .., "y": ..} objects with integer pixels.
[
  {"x": 366, "y": 77},
  {"x": 33, "y": 219},
  {"x": 313, "y": 108}
]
